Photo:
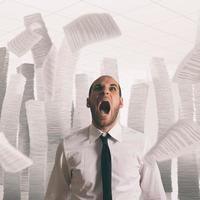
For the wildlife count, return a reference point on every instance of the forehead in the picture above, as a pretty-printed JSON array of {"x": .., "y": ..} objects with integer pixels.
[{"x": 105, "y": 81}]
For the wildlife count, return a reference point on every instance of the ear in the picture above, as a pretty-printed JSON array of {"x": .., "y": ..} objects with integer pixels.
[
  {"x": 88, "y": 103},
  {"x": 121, "y": 103}
]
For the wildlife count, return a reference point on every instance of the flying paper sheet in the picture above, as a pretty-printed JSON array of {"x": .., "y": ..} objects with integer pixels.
[
  {"x": 39, "y": 82},
  {"x": 182, "y": 138},
  {"x": 188, "y": 174},
  {"x": 90, "y": 28},
  {"x": 63, "y": 83},
  {"x": 109, "y": 67},
  {"x": 37, "y": 123},
  {"x": 189, "y": 69},
  {"x": 197, "y": 101},
  {"x": 23, "y": 42},
  {"x": 137, "y": 106},
  {"x": 48, "y": 72},
  {"x": 11, "y": 159},
  {"x": 9, "y": 123},
  {"x": 3, "y": 75},
  {"x": 41, "y": 49},
  {"x": 186, "y": 103},
  {"x": 82, "y": 117},
  {"x": 27, "y": 70},
  {"x": 54, "y": 131},
  {"x": 165, "y": 110}
]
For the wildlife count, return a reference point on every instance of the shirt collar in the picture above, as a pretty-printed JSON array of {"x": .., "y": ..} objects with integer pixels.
[{"x": 115, "y": 133}]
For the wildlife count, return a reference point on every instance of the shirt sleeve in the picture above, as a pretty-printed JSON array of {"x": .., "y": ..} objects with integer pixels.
[
  {"x": 151, "y": 184},
  {"x": 59, "y": 183}
]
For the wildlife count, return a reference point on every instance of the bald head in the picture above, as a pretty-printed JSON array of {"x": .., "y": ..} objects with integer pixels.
[{"x": 98, "y": 80}]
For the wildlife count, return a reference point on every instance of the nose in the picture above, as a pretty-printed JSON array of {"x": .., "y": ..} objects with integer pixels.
[{"x": 106, "y": 91}]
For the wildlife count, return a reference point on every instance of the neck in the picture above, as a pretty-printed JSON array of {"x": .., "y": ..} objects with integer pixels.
[{"x": 104, "y": 129}]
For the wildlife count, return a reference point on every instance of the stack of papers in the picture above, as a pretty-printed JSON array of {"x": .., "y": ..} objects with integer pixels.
[
  {"x": 41, "y": 49},
  {"x": 186, "y": 101},
  {"x": 63, "y": 83},
  {"x": 197, "y": 101},
  {"x": 9, "y": 123},
  {"x": 11, "y": 107},
  {"x": 180, "y": 139},
  {"x": 3, "y": 74},
  {"x": 48, "y": 73},
  {"x": 54, "y": 132},
  {"x": 27, "y": 70},
  {"x": 109, "y": 67},
  {"x": 82, "y": 116},
  {"x": 90, "y": 28},
  {"x": 11, "y": 159},
  {"x": 189, "y": 69},
  {"x": 137, "y": 106},
  {"x": 165, "y": 109},
  {"x": 188, "y": 177},
  {"x": 39, "y": 82},
  {"x": 187, "y": 165},
  {"x": 163, "y": 92},
  {"x": 37, "y": 123},
  {"x": 23, "y": 42}
]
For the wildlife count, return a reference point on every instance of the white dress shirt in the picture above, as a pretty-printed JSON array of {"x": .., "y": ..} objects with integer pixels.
[{"x": 77, "y": 171}]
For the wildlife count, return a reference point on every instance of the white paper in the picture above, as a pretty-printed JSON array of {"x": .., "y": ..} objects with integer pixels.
[
  {"x": 23, "y": 42},
  {"x": 37, "y": 123},
  {"x": 188, "y": 70},
  {"x": 41, "y": 49},
  {"x": 182, "y": 138},
  {"x": 109, "y": 67},
  {"x": 48, "y": 72},
  {"x": 82, "y": 116},
  {"x": 137, "y": 106},
  {"x": 11, "y": 159},
  {"x": 90, "y": 28}
]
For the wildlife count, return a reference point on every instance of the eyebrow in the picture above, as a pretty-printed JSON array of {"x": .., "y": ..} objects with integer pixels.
[{"x": 113, "y": 84}]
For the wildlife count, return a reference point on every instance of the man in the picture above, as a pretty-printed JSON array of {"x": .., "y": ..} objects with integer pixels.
[{"x": 104, "y": 161}]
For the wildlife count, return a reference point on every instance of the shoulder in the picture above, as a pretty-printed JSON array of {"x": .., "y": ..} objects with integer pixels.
[{"x": 76, "y": 138}]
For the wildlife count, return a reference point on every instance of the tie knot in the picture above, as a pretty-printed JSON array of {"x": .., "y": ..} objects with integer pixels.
[{"x": 104, "y": 139}]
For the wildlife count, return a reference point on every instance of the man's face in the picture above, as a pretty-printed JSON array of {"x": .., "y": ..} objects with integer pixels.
[{"x": 104, "y": 102}]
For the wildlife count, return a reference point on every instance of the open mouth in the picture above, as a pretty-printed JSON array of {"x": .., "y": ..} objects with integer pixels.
[{"x": 104, "y": 107}]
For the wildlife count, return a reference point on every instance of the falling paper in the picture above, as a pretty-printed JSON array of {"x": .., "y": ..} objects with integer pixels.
[
  {"x": 3, "y": 75},
  {"x": 48, "y": 72},
  {"x": 109, "y": 67},
  {"x": 11, "y": 159},
  {"x": 23, "y": 42},
  {"x": 27, "y": 70},
  {"x": 54, "y": 131},
  {"x": 137, "y": 106},
  {"x": 37, "y": 124},
  {"x": 186, "y": 101},
  {"x": 41, "y": 49},
  {"x": 63, "y": 83},
  {"x": 90, "y": 28},
  {"x": 189, "y": 69},
  {"x": 81, "y": 113},
  {"x": 165, "y": 108},
  {"x": 182, "y": 138}
]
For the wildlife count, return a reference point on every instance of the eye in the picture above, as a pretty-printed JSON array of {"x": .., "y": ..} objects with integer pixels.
[
  {"x": 97, "y": 88},
  {"x": 112, "y": 89}
]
